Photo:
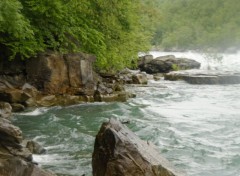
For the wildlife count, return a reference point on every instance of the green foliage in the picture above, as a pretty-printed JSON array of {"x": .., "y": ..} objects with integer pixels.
[
  {"x": 114, "y": 30},
  {"x": 16, "y": 33},
  {"x": 175, "y": 67},
  {"x": 198, "y": 24}
]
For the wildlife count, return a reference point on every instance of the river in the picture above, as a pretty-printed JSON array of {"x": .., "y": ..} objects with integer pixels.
[{"x": 196, "y": 127}]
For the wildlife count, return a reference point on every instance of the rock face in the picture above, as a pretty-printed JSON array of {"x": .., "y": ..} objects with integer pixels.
[
  {"x": 55, "y": 79},
  {"x": 41, "y": 75},
  {"x": 53, "y": 73},
  {"x": 165, "y": 64},
  {"x": 204, "y": 77},
  {"x": 118, "y": 151}
]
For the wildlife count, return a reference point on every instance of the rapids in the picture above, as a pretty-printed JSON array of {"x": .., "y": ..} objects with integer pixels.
[{"x": 196, "y": 127}]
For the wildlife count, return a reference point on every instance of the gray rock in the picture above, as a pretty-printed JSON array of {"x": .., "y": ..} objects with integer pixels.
[
  {"x": 133, "y": 76},
  {"x": 204, "y": 77},
  {"x": 165, "y": 64},
  {"x": 46, "y": 101},
  {"x": 16, "y": 107},
  {"x": 140, "y": 78},
  {"x": 29, "y": 89},
  {"x": 14, "y": 166},
  {"x": 9, "y": 132},
  {"x": 118, "y": 151},
  {"x": 16, "y": 160},
  {"x": 48, "y": 73},
  {"x": 35, "y": 147},
  {"x": 5, "y": 110},
  {"x": 14, "y": 96}
]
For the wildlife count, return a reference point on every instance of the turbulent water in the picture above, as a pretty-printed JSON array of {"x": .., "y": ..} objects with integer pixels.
[{"x": 196, "y": 127}]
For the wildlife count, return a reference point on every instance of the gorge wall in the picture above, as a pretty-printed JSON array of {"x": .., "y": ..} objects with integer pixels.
[{"x": 55, "y": 79}]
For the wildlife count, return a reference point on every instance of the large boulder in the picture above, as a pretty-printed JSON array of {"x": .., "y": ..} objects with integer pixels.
[
  {"x": 48, "y": 73},
  {"x": 133, "y": 76},
  {"x": 118, "y": 151},
  {"x": 54, "y": 73},
  {"x": 14, "y": 96},
  {"x": 165, "y": 64}
]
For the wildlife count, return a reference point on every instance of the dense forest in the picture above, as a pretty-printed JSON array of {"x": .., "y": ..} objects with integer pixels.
[
  {"x": 198, "y": 24},
  {"x": 115, "y": 30}
]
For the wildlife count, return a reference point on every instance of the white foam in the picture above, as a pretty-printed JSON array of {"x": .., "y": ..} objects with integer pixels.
[
  {"x": 35, "y": 112},
  {"x": 229, "y": 62}
]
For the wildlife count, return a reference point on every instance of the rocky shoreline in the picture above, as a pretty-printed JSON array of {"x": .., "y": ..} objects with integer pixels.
[
  {"x": 15, "y": 157},
  {"x": 54, "y": 79}
]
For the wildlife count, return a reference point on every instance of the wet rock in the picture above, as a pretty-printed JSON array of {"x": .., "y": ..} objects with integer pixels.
[
  {"x": 5, "y": 110},
  {"x": 9, "y": 132},
  {"x": 66, "y": 100},
  {"x": 14, "y": 96},
  {"x": 140, "y": 78},
  {"x": 133, "y": 76},
  {"x": 204, "y": 77},
  {"x": 16, "y": 107},
  {"x": 118, "y": 151},
  {"x": 158, "y": 76},
  {"x": 13, "y": 166},
  {"x": 35, "y": 147},
  {"x": 16, "y": 160},
  {"x": 29, "y": 89},
  {"x": 145, "y": 59},
  {"x": 31, "y": 102},
  {"x": 47, "y": 101},
  {"x": 165, "y": 64}
]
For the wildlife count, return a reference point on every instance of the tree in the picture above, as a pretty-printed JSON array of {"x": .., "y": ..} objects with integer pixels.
[
  {"x": 195, "y": 24},
  {"x": 115, "y": 30}
]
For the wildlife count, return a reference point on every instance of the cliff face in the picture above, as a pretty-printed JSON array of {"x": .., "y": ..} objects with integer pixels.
[
  {"x": 62, "y": 74},
  {"x": 54, "y": 79},
  {"x": 50, "y": 73}
]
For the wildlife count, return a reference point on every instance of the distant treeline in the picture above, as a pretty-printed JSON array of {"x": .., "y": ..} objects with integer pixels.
[{"x": 198, "y": 24}]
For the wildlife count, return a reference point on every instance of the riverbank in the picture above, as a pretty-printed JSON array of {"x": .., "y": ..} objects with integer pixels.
[{"x": 163, "y": 112}]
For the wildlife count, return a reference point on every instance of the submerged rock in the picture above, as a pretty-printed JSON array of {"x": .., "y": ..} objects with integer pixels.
[
  {"x": 165, "y": 64},
  {"x": 204, "y": 77},
  {"x": 118, "y": 151}
]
